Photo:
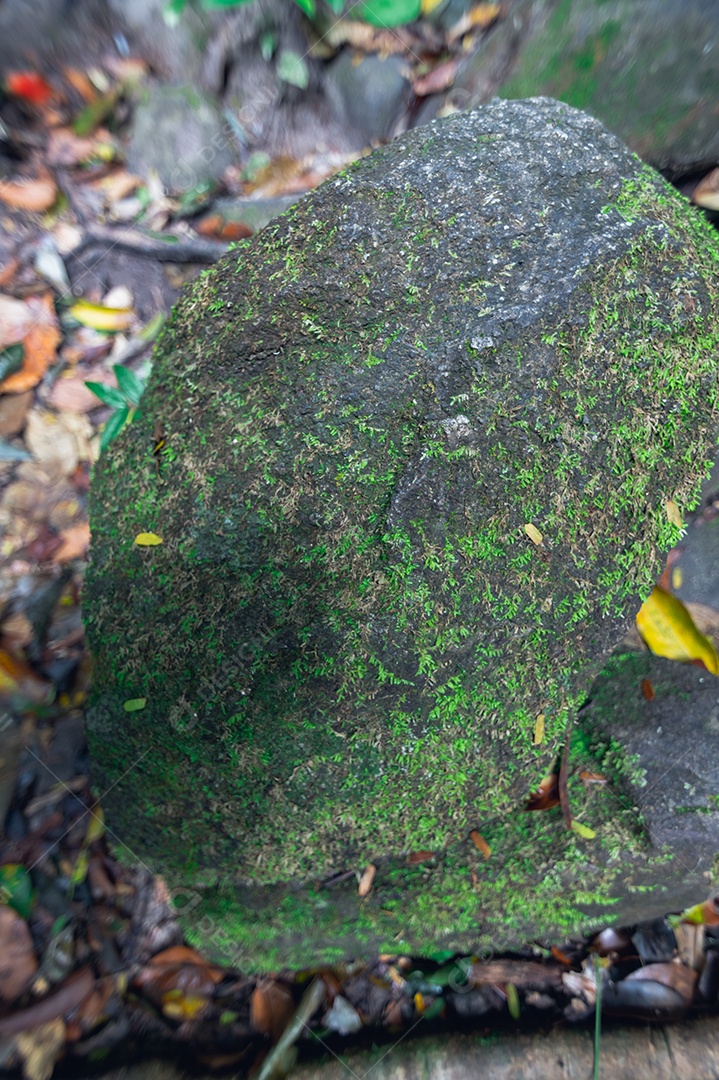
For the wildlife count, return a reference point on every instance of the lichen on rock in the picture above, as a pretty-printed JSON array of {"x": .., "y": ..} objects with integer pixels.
[{"x": 345, "y": 641}]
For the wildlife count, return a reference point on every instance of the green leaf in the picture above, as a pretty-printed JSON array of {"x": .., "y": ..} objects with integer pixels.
[
  {"x": 108, "y": 395},
  {"x": 114, "y": 426},
  {"x": 336, "y": 5},
  {"x": 268, "y": 45},
  {"x": 308, "y": 6},
  {"x": 135, "y": 704},
  {"x": 130, "y": 384},
  {"x": 16, "y": 889},
  {"x": 152, "y": 328},
  {"x": 172, "y": 11},
  {"x": 292, "y": 68},
  {"x": 513, "y": 1001},
  {"x": 385, "y": 13},
  {"x": 11, "y": 359}
]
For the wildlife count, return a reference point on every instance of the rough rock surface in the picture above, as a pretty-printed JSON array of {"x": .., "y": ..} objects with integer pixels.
[{"x": 347, "y": 639}]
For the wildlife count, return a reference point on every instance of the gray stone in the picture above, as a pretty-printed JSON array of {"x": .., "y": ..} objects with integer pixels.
[
  {"x": 179, "y": 133},
  {"x": 368, "y": 94},
  {"x": 420, "y": 435}
]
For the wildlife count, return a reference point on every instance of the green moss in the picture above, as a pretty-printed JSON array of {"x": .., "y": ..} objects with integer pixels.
[{"x": 342, "y": 675}]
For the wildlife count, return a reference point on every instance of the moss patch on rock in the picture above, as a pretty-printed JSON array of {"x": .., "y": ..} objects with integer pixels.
[{"x": 347, "y": 636}]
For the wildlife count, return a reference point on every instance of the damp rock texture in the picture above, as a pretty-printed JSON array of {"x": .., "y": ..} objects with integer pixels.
[{"x": 419, "y": 437}]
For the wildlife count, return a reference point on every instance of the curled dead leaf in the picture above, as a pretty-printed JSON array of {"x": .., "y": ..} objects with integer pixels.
[
  {"x": 75, "y": 542},
  {"x": 706, "y": 193},
  {"x": 18, "y": 963},
  {"x": 438, "y": 79},
  {"x": 271, "y": 1007},
  {"x": 365, "y": 882},
  {"x": 37, "y": 327},
  {"x": 547, "y": 794},
  {"x": 36, "y": 195},
  {"x": 420, "y": 857},
  {"x": 534, "y": 534},
  {"x": 480, "y": 843}
]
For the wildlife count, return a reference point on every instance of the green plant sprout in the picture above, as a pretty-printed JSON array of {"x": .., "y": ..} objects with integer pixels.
[
  {"x": 382, "y": 13},
  {"x": 123, "y": 399}
]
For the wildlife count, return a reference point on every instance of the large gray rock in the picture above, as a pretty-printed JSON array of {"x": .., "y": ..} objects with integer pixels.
[{"x": 420, "y": 436}]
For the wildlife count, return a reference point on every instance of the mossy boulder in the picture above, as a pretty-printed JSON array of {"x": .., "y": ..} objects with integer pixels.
[{"x": 420, "y": 434}]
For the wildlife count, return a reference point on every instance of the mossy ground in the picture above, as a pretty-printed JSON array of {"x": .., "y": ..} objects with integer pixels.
[{"x": 337, "y": 674}]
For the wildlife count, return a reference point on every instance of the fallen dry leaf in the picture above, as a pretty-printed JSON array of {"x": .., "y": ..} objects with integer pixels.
[
  {"x": 40, "y": 1049},
  {"x": 69, "y": 394},
  {"x": 58, "y": 442},
  {"x": 365, "y": 882},
  {"x": 18, "y": 680},
  {"x": 37, "y": 327},
  {"x": 118, "y": 185},
  {"x": 271, "y": 1007},
  {"x": 8, "y": 271},
  {"x": 667, "y": 627},
  {"x": 420, "y": 857},
  {"x": 438, "y": 79},
  {"x": 706, "y": 193},
  {"x": 674, "y": 974},
  {"x": 28, "y": 85},
  {"x": 80, "y": 83},
  {"x": 480, "y": 843},
  {"x": 16, "y": 631},
  {"x": 219, "y": 227},
  {"x": 18, "y": 963},
  {"x": 75, "y": 542},
  {"x": 37, "y": 195},
  {"x": 547, "y": 794},
  {"x": 13, "y": 413},
  {"x": 533, "y": 533},
  {"x": 65, "y": 148},
  {"x": 478, "y": 17}
]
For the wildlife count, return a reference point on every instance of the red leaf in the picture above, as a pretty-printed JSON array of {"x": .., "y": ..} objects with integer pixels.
[
  {"x": 420, "y": 856},
  {"x": 480, "y": 843},
  {"x": 29, "y": 86},
  {"x": 647, "y": 689},
  {"x": 546, "y": 796}
]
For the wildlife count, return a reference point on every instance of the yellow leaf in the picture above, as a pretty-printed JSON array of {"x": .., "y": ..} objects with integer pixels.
[
  {"x": 99, "y": 317},
  {"x": 79, "y": 872},
  {"x": 668, "y": 629},
  {"x": 96, "y": 825},
  {"x": 430, "y": 5},
  {"x": 513, "y": 1001},
  {"x": 677, "y": 577},
  {"x": 148, "y": 539},
  {"x": 180, "y": 1006},
  {"x": 533, "y": 533},
  {"x": 583, "y": 830},
  {"x": 674, "y": 514},
  {"x": 538, "y": 730}
]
